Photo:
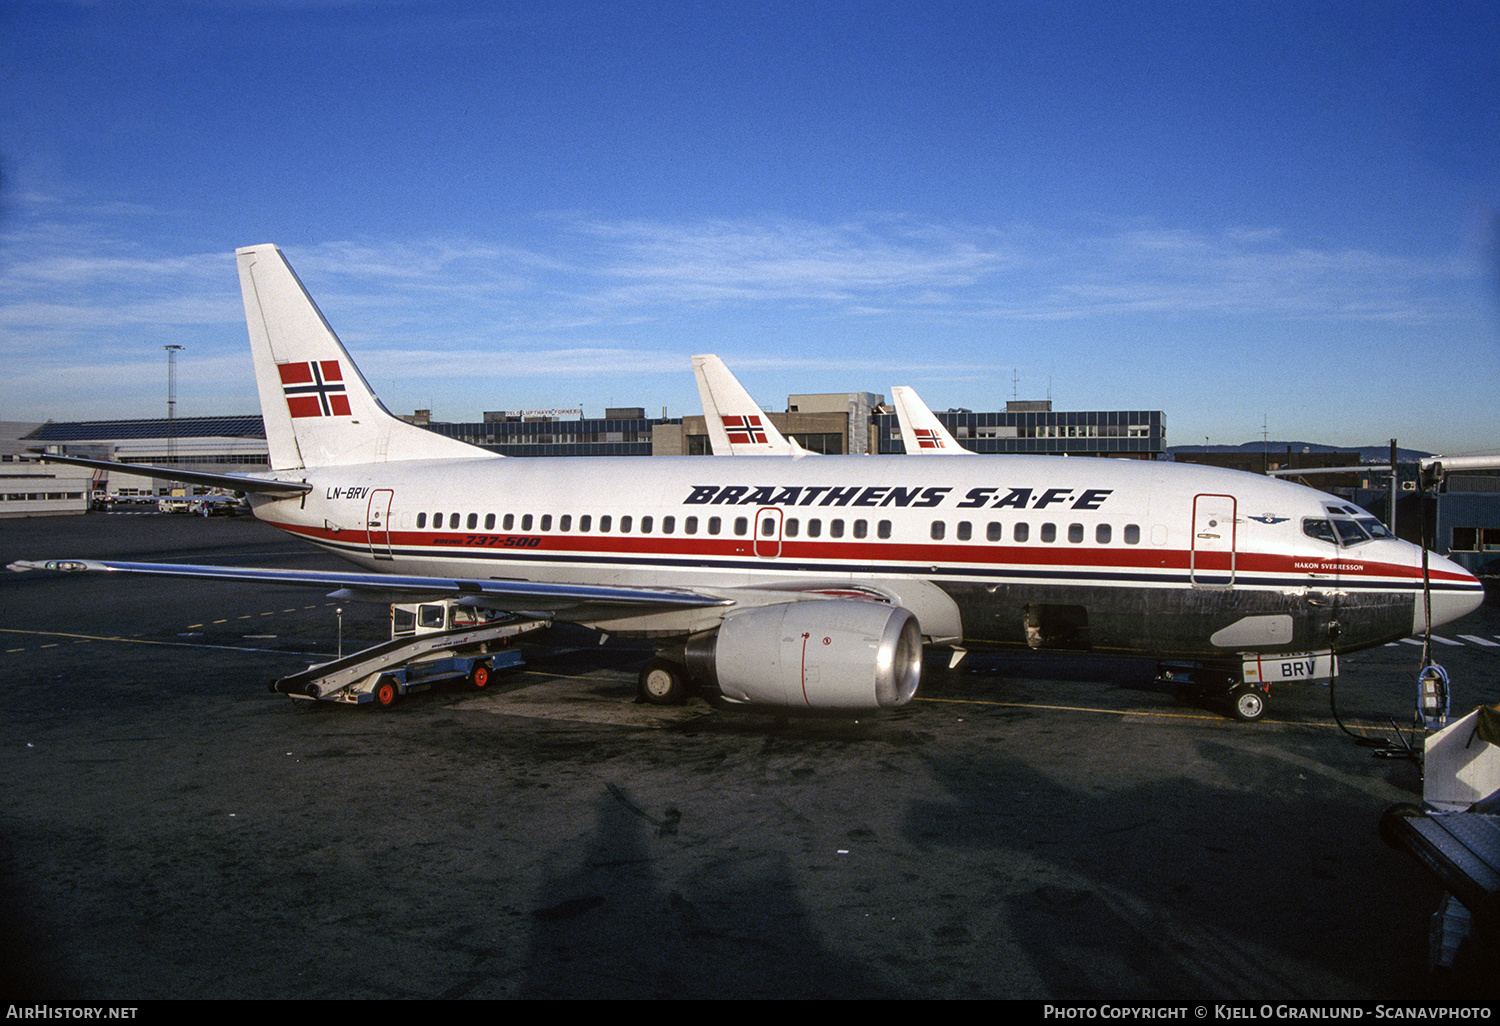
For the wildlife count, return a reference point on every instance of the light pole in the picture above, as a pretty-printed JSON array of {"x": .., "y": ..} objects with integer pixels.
[{"x": 172, "y": 352}]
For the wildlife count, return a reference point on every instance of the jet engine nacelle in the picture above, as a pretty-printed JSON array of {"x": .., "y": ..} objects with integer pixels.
[{"x": 825, "y": 654}]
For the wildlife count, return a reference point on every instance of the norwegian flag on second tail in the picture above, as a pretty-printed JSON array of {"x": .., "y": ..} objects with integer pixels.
[
  {"x": 745, "y": 430},
  {"x": 314, "y": 389}
]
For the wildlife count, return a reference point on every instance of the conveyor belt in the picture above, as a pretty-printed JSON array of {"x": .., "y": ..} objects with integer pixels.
[{"x": 1461, "y": 849}]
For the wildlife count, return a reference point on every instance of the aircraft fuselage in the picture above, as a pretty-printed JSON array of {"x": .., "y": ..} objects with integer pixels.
[{"x": 1014, "y": 551}]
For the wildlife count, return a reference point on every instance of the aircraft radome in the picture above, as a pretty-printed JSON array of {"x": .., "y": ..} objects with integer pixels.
[{"x": 797, "y": 582}]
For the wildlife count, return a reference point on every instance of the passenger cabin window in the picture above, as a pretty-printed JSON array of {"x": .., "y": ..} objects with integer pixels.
[
  {"x": 489, "y": 521},
  {"x": 645, "y": 525},
  {"x": 1075, "y": 534},
  {"x": 741, "y": 526},
  {"x": 421, "y": 519},
  {"x": 793, "y": 525},
  {"x": 714, "y": 524},
  {"x": 994, "y": 532},
  {"x": 1102, "y": 534},
  {"x": 1049, "y": 532},
  {"x": 883, "y": 529},
  {"x": 965, "y": 530},
  {"x": 509, "y": 523},
  {"x": 938, "y": 530},
  {"x": 690, "y": 525},
  {"x": 604, "y": 522},
  {"x": 1023, "y": 532},
  {"x": 1132, "y": 534},
  {"x": 625, "y": 525},
  {"x": 668, "y": 525},
  {"x": 585, "y": 522},
  {"x": 473, "y": 521},
  {"x": 861, "y": 529}
]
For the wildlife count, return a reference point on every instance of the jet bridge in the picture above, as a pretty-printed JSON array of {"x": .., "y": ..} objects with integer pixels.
[{"x": 431, "y": 642}]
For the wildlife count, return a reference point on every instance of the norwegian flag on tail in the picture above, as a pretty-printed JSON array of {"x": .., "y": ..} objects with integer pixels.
[
  {"x": 314, "y": 389},
  {"x": 927, "y": 438},
  {"x": 745, "y": 430}
]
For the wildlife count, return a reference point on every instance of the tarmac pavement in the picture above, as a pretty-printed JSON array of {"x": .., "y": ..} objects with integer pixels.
[{"x": 1029, "y": 827}]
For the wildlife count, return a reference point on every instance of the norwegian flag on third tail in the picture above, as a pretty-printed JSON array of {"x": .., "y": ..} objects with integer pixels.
[
  {"x": 314, "y": 389},
  {"x": 744, "y": 430}
]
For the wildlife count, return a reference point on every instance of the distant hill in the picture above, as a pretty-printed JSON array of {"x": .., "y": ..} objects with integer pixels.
[{"x": 1367, "y": 453}]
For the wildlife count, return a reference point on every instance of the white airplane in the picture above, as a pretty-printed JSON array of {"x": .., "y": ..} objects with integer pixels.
[
  {"x": 736, "y": 425},
  {"x": 921, "y": 432},
  {"x": 813, "y": 583}
]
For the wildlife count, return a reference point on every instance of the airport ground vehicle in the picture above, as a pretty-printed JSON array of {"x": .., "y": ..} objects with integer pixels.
[{"x": 430, "y": 643}]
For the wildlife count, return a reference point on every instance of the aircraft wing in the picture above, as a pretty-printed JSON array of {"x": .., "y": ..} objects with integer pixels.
[
  {"x": 573, "y": 603},
  {"x": 921, "y": 432},
  {"x": 736, "y": 425},
  {"x": 234, "y": 482}
]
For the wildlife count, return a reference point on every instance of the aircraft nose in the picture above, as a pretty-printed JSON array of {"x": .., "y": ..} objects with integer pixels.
[{"x": 1455, "y": 593}]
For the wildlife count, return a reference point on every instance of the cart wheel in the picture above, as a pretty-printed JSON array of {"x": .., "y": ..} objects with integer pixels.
[
  {"x": 386, "y": 693},
  {"x": 1247, "y": 703},
  {"x": 663, "y": 682},
  {"x": 479, "y": 676}
]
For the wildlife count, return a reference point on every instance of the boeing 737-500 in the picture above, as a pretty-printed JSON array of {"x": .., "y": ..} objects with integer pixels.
[{"x": 791, "y": 580}]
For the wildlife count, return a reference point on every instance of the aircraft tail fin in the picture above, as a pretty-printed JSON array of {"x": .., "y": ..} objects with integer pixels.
[
  {"x": 736, "y": 425},
  {"x": 921, "y": 432},
  {"x": 317, "y": 406}
]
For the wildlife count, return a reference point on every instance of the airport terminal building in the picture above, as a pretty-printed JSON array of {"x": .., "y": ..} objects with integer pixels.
[{"x": 854, "y": 423}]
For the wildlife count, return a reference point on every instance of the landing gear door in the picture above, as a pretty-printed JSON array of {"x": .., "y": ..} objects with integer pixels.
[
  {"x": 378, "y": 522},
  {"x": 1212, "y": 555}
]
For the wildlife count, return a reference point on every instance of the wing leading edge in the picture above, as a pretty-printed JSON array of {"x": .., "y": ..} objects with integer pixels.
[{"x": 568, "y": 602}]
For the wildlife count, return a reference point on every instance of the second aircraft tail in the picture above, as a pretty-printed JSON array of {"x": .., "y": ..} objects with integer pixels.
[
  {"x": 921, "y": 432},
  {"x": 736, "y": 425}
]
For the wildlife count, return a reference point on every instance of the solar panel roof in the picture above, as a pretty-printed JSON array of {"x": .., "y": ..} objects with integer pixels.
[{"x": 180, "y": 427}]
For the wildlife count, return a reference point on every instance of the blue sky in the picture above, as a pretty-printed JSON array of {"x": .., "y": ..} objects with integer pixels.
[{"x": 1252, "y": 215}]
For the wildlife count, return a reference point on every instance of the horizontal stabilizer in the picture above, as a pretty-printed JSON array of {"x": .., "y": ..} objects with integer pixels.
[{"x": 233, "y": 482}]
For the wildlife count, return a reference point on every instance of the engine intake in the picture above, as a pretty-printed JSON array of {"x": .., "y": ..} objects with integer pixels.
[{"x": 821, "y": 654}]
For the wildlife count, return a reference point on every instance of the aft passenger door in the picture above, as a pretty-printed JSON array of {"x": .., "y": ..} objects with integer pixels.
[
  {"x": 378, "y": 522},
  {"x": 1211, "y": 557}
]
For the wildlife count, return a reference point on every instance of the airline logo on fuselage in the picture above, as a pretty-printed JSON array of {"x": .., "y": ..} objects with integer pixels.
[
  {"x": 314, "y": 389},
  {"x": 890, "y": 495}
]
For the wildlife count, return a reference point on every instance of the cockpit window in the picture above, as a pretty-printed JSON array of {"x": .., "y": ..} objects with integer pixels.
[
  {"x": 1350, "y": 533},
  {"x": 1319, "y": 529},
  {"x": 1343, "y": 531}
]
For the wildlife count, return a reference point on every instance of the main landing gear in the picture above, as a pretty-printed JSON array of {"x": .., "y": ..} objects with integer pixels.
[
  {"x": 1222, "y": 685},
  {"x": 663, "y": 682}
]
